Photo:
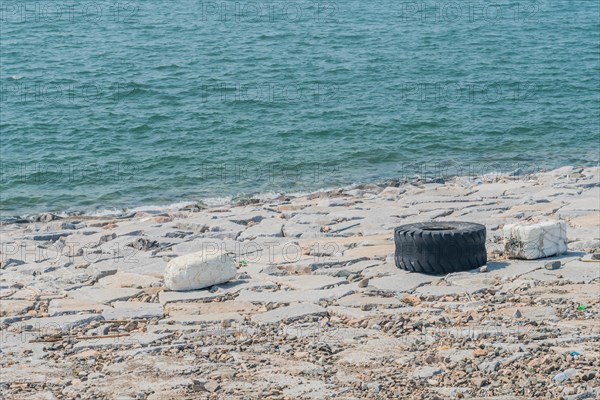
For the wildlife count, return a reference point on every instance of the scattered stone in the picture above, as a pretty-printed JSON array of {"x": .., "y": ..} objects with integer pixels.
[
  {"x": 363, "y": 283},
  {"x": 426, "y": 372},
  {"x": 489, "y": 366},
  {"x": 212, "y": 386},
  {"x": 480, "y": 353},
  {"x": 49, "y": 237},
  {"x": 144, "y": 244},
  {"x": 274, "y": 270},
  {"x": 107, "y": 238},
  {"x": 46, "y": 217},
  {"x": 479, "y": 382},
  {"x": 11, "y": 262},
  {"x": 551, "y": 265},
  {"x": 178, "y": 234}
]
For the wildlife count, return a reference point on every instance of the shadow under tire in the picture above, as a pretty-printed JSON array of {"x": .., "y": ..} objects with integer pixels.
[{"x": 440, "y": 247}]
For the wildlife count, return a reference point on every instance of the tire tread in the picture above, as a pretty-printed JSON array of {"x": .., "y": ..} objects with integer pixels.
[{"x": 440, "y": 251}]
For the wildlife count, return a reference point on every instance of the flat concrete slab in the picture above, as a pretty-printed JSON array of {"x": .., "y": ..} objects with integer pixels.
[
  {"x": 402, "y": 281},
  {"x": 58, "y": 324},
  {"x": 295, "y": 296},
  {"x": 134, "y": 339},
  {"x": 74, "y": 306},
  {"x": 124, "y": 310},
  {"x": 104, "y": 295},
  {"x": 289, "y": 313}
]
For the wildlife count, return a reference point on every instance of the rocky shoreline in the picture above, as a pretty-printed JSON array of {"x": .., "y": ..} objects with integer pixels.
[{"x": 317, "y": 308}]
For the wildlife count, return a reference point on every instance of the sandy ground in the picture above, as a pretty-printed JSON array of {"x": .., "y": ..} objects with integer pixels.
[{"x": 317, "y": 309}]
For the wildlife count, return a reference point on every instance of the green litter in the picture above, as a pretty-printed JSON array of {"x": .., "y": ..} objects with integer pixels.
[{"x": 581, "y": 307}]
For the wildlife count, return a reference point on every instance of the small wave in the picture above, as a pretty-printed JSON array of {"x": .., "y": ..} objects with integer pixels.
[{"x": 154, "y": 208}]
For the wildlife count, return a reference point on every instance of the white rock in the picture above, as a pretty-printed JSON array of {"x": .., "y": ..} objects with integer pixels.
[
  {"x": 199, "y": 270},
  {"x": 535, "y": 241}
]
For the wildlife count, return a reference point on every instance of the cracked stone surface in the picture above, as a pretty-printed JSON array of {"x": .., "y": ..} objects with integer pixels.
[{"x": 317, "y": 308}]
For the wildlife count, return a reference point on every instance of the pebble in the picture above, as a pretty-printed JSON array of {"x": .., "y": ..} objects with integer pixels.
[
  {"x": 212, "y": 386},
  {"x": 552, "y": 265},
  {"x": 363, "y": 283}
]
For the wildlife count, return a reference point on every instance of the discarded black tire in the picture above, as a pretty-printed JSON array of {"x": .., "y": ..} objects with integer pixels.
[{"x": 440, "y": 247}]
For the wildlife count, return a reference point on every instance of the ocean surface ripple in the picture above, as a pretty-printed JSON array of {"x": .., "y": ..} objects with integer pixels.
[{"x": 126, "y": 104}]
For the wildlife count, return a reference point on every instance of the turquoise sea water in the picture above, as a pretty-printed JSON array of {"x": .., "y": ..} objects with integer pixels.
[{"x": 110, "y": 105}]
